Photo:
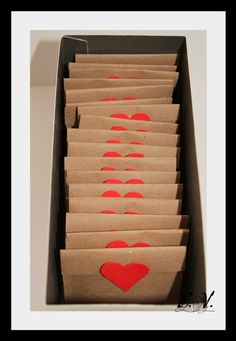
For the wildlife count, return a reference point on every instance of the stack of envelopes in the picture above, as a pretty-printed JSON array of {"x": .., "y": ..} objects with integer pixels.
[{"x": 125, "y": 235}]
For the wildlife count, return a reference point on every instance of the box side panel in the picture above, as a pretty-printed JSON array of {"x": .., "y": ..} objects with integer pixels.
[{"x": 194, "y": 277}]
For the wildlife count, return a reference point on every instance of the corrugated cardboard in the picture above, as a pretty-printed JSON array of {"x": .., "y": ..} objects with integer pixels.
[
  {"x": 140, "y": 164},
  {"x": 157, "y": 191},
  {"x": 83, "y": 281},
  {"x": 101, "y": 176},
  {"x": 92, "y": 222},
  {"x": 107, "y": 123},
  {"x": 123, "y": 205},
  {"x": 91, "y": 83},
  {"x": 102, "y": 136},
  {"x": 122, "y": 66},
  {"x": 153, "y": 59},
  {"x": 101, "y": 94},
  {"x": 100, "y": 150},
  {"x": 94, "y": 240}
]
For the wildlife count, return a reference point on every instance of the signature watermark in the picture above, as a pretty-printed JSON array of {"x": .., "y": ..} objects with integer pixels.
[{"x": 201, "y": 303}]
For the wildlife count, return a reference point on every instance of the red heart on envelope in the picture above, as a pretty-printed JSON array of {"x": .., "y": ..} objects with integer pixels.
[
  {"x": 122, "y": 244},
  {"x": 138, "y": 116},
  {"x": 118, "y": 195},
  {"x": 124, "y": 276},
  {"x": 117, "y": 154}
]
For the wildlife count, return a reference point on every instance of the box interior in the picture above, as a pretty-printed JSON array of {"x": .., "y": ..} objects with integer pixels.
[{"x": 194, "y": 276}]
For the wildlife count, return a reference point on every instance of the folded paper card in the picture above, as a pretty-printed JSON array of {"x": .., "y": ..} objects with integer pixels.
[
  {"x": 70, "y": 108},
  {"x": 119, "y": 136},
  {"x": 120, "y": 150},
  {"x": 122, "y": 66},
  {"x": 141, "y": 177},
  {"x": 157, "y": 191},
  {"x": 123, "y": 74},
  {"x": 122, "y": 93},
  {"x": 108, "y": 205},
  {"x": 122, "y": 163},
  {"x": 126, "y": 275},
  {"x": 111, "y": 123},
  {"x": 92, "y": 83},
  {"x": 124, "y": 239},
  {"x": 148, "y": 59},
  {"x": 92, "y": 222},
  {"x": 142, "y": 112}
]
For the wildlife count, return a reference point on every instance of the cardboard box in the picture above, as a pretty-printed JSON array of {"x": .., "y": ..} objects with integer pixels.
[{"x": 194, "y": 275}]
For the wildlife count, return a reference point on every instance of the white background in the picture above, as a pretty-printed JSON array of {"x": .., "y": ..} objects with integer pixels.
[{"x": 139, "y": 23}]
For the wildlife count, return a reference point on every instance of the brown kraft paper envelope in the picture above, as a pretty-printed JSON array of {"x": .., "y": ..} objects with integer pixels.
[
  {"x": 123, "y": 74},
  {"x": 160, "y": 113},
  {"x": 83, "y": 281},
  {"x": 91, "y": 83},
  {"x": 101, "y": 149},
  {"x": 107, "y": 123},
  {"x": 155, "y": 191},
  {"x": 123, "y": 205},
  {"x": 92, "y": 222},
  {"x": 101, "y": 176},
  {"x": 93, "y": 240},
  {"x": 100, "y": 94},
  {"x": 122, "y": 66},
  {"x": 102, "y": 136},
  {"x": 148, "y": 59},
  {"x": 70, "y": 108},
  {"x": 139, "y": 164}
]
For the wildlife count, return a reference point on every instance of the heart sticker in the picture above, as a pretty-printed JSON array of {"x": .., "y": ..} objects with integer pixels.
[
  {"x": 117, "y": 194},
  {"x": 116, "y": 154},
  {"x": 122, "y": 244},
  {"x": 138, "y": 116},
  {"x": 118, "y": 181},
  {"x": 123, "y": 128},
  {"x": 124, "y": 276},
  {"x": 114, "y": 169},
  {"x": 118, "y": 141}
]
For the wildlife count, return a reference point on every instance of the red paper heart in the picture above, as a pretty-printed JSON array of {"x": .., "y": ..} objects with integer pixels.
[
  {"x": 117, "y": 244},
  {"x": 118, "y": 181},
  {"x": 116, "y": 154},
  {"x": 120, "y": 115},
  {"x": 108, "y": 212},
  {"x": 118, "y": 195},
  {"x": 107, "y": 169},
  {"x": 109, "y": 99},
  {"x": 111, "y": 194},
  {"x": 141, "y": 117},
  {"x": 114, "y": 77},
  {"x": 134, "y": 155},
  {"x": 118, "y": 128},
  {"x": 113, "y": 181},
  {"x": 129, "y": 98},
  {"x": 136, "y": 117},
  {"x": 113, "y": 141},
  {"x": 122, "y": 244},
  {"x": 135, "y": 181},
  {"x": 136, "y": 142},
  {"x": 112, "y": 154},
  {"x": 133, "y": 195},
  {"x": 124, "y": 276}
]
